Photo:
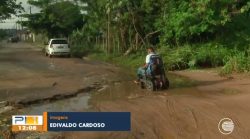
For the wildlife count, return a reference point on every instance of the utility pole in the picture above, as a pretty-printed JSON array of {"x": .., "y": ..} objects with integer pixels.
[
  {"x": 108, "y": 26},
  {"x": 108, "y": 32},
  {"x": 16, "y": 29},
  {"x": 30, "y": 10},
  {"x": 21, "y": 22}
]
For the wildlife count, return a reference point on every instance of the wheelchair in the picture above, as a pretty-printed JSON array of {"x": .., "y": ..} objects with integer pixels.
[{"x": 155, "y": 78}]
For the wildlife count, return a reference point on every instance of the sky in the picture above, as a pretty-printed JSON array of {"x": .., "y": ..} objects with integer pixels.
[{"x": 11, "y": 23}]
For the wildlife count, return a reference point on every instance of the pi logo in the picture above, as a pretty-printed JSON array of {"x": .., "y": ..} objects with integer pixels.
[
  {"x": 27, "y": 120},
  {"x": 18, "y": 120}
]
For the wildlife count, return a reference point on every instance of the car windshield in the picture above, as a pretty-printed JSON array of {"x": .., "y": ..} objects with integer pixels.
[{"x": 59, "y": 42}]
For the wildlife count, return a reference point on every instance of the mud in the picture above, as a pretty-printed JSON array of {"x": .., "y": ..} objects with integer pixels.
[
  {"x": 26, "y": 74},
  {"x": 181, "y": 112},
  {"x": 190, "y": 109}
]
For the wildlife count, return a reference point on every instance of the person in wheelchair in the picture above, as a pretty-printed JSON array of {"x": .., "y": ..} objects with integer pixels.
[
  {"x": 152, "y": 75},
  {"x": 146, "y": 68}
]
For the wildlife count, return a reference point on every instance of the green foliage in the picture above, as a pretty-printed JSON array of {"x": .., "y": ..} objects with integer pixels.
[
  {"x": 3, "y": 34},
  {"x": 78, "y": 50},
  {"x": 131, "y": 62},
  {"x": 9, "y": 7},
  {"x": 192, "y": 34},
  {"x": 196, "y": 56},
  {"x": 129, "y": 23},
  {"x": 188, "y": 57},
  {"x": 185, "y": 21},
  {"x": 177, "y": 58},
  {"x": 55, "y": 19},
  {"x": 211, "y": 55},
  {"x": 237, "y": 63},
  {"x": 237, "y": 33},
  {"x": 189, "y": 34},
  {"x": 122, "y": 24}
]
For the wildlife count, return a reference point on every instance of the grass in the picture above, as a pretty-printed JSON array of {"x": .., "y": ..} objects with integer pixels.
[
  {"x": 78, "y": 50},
  {"x": 131, "y": 62},
  {"x": 238, "y": 63},
  {"x": 187, "y": 57},
  {"x": 230, "y": 49}
]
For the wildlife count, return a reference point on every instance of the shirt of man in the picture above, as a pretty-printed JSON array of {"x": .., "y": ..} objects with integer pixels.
[{"x": 148, "y": 57}]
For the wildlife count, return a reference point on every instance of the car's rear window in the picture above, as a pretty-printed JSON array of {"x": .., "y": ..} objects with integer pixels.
[{"x": 59, "y": 42}]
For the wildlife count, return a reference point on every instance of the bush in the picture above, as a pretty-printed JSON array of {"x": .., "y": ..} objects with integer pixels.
[
  {"x": 79, "y": 50},
  {"x": 209, "y": 56},
  {"x": 132, "y": 61},
  {"x": 237, "y": 63},
  {"x": 177, "y": 58}
]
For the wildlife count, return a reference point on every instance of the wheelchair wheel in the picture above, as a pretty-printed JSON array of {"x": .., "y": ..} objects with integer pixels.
[
  {"x": 166, "y": 85},
  {"x": 142, "y": 84},
  {"x": 150, "y": 85}
]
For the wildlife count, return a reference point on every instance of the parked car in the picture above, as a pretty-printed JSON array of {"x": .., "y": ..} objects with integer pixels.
[
  {"x": 57, "y": 47},
  {"x": 13, "y": 39}
]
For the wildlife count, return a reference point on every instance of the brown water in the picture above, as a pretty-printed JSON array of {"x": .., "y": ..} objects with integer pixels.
[
  {"x": 182, "y": 111},
  {"x": 121, "y": 90}
]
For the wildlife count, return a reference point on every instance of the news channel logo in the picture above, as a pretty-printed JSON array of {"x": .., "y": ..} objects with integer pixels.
[
  {"x": 27, "y": 120},
  {"x": 226, "y": 126}
]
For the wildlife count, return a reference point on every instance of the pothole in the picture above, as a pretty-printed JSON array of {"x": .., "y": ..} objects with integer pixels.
[{"x": 28, "y": 103}]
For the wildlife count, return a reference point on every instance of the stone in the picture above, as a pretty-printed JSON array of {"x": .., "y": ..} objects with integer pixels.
[
  {"x": 6, "y": 109},
  {"x": 3, "y": 104}
]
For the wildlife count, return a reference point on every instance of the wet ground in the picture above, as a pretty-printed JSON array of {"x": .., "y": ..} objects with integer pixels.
[{"x": 191, "y": 108}]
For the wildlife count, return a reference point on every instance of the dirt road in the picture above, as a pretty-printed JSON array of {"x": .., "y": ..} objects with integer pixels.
[
  {"x": 190, "y": 109},
  {"x": 185, "y": 112},
  {"x": 27, "y": 75}
]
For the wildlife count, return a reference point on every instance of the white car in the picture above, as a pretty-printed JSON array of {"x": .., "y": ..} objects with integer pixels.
[{"x": 57, "y": 47}]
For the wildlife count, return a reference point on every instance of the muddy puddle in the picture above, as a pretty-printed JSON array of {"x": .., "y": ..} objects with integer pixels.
[
  {"x": 79, "y": 103},
  {"x": 121, "y": 90},
  {"x": 124, "y": 90}
]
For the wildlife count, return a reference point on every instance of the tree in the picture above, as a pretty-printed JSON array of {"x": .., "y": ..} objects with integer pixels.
[
  {"x": 3, "y": 34},
  {"x": 9, "y": 7},
  {"x": 125, "y": 25},
  {"x": 185, "y": 20},
  {"x": 130, "y": 25},
  {"x": 55, "y": 19}
]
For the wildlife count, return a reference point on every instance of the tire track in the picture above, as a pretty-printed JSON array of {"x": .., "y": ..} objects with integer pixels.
[
  {"x": 173, "y": 115},
  {"x": 194, "y": 117}
]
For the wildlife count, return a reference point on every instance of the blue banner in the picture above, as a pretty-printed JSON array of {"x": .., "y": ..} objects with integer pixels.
[{"x": 89, "y": 121}]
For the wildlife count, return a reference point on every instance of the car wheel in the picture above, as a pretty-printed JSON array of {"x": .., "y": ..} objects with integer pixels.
[{"x": 50, "y": 56}]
